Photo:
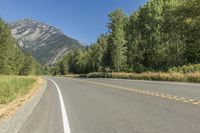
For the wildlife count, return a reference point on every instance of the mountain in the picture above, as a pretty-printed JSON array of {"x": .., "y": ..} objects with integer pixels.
[{"x": 46, "y": 43}]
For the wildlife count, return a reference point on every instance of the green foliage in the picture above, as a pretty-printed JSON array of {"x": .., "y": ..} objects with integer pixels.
[
  {"x": 55, "y": 70},
  {"x": 186, "y": 69},
  {"x": 153, "y": 39},
  {"x": 12, "y": 60},
  {"x": 188, "y": 14},
  {"x": 79, "y": 61},
  {"x": 116, "y": 40},
  {"x": 63, "y": 65},
  {"x": 191, "y": 77},
  {"x": 95, "y": 57},
  {"x": 160, "y": 35},
  {"x": 60, "y": 68},
  {"x": 104, "y": 54},
  {"x": 28, "y": 66},
  {"x": 8, "y": 51}
]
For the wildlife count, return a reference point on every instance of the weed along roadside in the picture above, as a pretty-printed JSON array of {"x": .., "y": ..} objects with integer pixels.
[
  {"x": 15, "y": 91},
  {"x": 158, "y": 76}
]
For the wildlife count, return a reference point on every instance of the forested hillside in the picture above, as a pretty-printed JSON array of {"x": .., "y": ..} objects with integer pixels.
[
  {"x": 160, "y": 35},
  {"x": 12, "y": 60}
]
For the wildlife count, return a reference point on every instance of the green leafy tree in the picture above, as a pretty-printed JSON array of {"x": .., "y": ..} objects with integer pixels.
[
  {"x": 63, "y": 65},
  {"x": 102, "y": 41},
  {"x": 55, "y": 70},
  {"x": 116, "y": 40},
  {"x": 78, "y": 61},
  {"x": 171, "y": 36},
  {"x": 149, "y": 27},
  {"x": 189, "y": 19},
  {"x": 29, "y": 66},
  {"x": 134, "y": 44},
  {"x": 95, "y": 57},
  {"x": 158, "y": 36}
]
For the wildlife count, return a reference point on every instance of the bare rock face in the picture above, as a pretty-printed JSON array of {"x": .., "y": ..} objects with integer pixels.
[{"x": 46, "y": 43}]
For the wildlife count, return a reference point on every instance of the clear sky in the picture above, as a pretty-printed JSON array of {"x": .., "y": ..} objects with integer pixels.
[{"x": 83, "y": 20}]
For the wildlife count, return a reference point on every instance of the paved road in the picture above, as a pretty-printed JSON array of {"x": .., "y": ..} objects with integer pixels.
[{"x": 117, "y": 106}]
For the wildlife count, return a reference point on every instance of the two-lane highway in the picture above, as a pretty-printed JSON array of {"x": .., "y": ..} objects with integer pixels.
[{"x": 117, "y": 106}]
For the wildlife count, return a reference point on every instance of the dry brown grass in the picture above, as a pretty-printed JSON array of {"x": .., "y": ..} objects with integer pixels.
[{"x": 72, "y": 75}]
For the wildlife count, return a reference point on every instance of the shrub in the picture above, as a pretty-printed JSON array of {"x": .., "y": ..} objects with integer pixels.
[
  {"x": 186, "y": 69},
  {"x": 172, "y": 76}
]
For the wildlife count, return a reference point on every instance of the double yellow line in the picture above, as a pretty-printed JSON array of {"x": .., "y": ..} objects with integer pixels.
[{"x": 156, "y": 94}]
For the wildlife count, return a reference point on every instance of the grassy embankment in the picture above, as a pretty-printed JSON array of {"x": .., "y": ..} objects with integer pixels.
[
  {"x": 189, "y": 73},
  {"x": 14, "y": 91},
  {"x": 12, "y": 87}
]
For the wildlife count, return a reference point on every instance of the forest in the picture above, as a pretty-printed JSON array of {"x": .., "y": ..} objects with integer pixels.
[{"x": 160, "y": 36}]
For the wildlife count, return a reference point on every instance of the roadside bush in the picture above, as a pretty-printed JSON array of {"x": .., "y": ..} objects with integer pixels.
[
  {"x": 160, "y": 76},
  {"x": 186, "y": 69}
]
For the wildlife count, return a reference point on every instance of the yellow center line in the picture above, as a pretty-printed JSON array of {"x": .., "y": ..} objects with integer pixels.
[{"x": 156, "y": 94}]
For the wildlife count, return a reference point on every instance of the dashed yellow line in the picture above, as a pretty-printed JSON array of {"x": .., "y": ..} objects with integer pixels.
[{"x": 161, "y": 95}]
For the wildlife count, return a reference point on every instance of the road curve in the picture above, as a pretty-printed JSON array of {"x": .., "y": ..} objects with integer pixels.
[{"x": 117, "y": 106}]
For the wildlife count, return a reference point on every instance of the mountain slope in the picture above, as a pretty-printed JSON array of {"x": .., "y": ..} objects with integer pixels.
[{"x": 46, "y": 43}]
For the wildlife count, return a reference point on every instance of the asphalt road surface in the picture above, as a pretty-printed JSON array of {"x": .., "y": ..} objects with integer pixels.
[{"x": 116, "y": 106}]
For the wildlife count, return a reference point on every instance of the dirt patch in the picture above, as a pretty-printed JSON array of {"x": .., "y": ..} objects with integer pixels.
[{"x": 8, "y": 110}]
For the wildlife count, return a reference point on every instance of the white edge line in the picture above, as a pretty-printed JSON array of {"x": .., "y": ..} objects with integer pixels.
[{"x": 63, "y": 110}]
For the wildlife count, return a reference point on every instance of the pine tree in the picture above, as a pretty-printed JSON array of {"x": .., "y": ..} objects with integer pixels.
[{"x": 8, "y": 50}]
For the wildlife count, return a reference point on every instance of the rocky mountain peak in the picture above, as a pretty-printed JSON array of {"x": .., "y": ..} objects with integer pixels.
[{"x": 45, "y": 42}]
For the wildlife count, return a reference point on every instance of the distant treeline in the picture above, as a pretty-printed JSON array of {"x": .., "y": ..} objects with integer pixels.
[
  {"x": 12, "y": 60},
  {"x": 160, "y": 35}
]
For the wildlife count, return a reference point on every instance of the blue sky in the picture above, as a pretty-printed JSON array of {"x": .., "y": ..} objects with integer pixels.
[{"x": 83, "y": 20}]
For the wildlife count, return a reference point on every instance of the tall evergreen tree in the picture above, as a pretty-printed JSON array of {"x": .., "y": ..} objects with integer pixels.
[{"x": 8, "y": 51}]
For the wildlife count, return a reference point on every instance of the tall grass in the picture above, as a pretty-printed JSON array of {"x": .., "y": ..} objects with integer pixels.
[
  {"x": 12, "y": 87},
  {"x": 171, "y": 76}
]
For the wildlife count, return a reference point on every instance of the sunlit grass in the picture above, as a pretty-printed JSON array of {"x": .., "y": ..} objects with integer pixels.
[
  {"x": 161, "y": 76},
  {"x": 12, "y": 87}
]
